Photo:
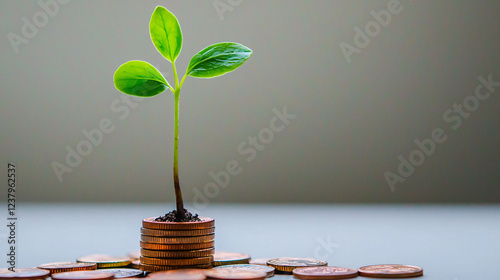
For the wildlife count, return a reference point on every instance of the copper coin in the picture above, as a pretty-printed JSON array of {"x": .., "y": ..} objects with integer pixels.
[
  {"x": 232, "y": 274},
  {"x": 175, "y": 262},
  {"x": 261, "y": 261},
  {"x": 105, "y": 261},
  {"x": 58, "y": 267},
  {"x": 249, "y": 267},
  {"x": 324, "y": 272},
  {"x": 391, "y": 271},
  {"x": 83, "y": 275},
  {"x": 24, "y": 274},
  {"x": 123, "y": 272},
  {"x": 180, "y": 274},
  {"x": 225, "y": 258},
  {"x": 289, "y": 264},
  {"x": 153, "y": 268},
  {"x": 173, "y": 233},
  {"x": 177, "y": 240},
  {"x": 203, "y": 224},
  {"x": 178, "y": 254},
  {"x": 177, "y": 247}
]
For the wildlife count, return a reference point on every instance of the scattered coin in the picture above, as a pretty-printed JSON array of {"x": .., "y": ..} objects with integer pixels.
[
  {"x": 232, "y": 274},
  {"x": 105, "y": 261},
  {"x": 261, "y": 261},
  {"x": 175, "y": 262},
  {"x": 391, "y": 271},
  {"x": 123, "y": 272},
  {"x": 225, "y": 258},
  {"x": 289, "y": 264},
  {"x": 24, "y": 274},
  {"x": 58, "y": 267},
  {"x": 172, "y": 233},
  {"x": 153, "y": 268},
  {"x": 178, "y": 254},
  {"x": 177, "y": 247},
  {"x": 324, "y": 273},
  {"x": 250, "y": 267},
  {"x": 83, "y": 275},
  {"x": 177, "y": 240},
  {"x": 180, "y": 274},
  {"x": 203, "y": 224}
]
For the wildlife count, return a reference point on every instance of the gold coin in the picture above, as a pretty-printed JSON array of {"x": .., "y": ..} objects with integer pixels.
[
  {"x": 153, "y": 268},
  {"x": 225, "y": 258},
  {"x": 203, "y": 224},
  {"x": 178, "y": 254},
  {"x": 231, "y": 274},
  {"x": 172, "y": 233},
  {"x": 175, "y": 262},
  {"x": 177, "y": 247},
  {"x": 177, "y": 240},
  {"x": 105, "y": 261},
  {"x": 58, "y": 267},
  {"x": 83, "y": 275},
  {"x": 289, "y": 264},
  {"x": 180, "y": 274},
  {"x": 24, "y": 274}
]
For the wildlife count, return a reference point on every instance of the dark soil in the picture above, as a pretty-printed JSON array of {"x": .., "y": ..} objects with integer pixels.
[{"x": 172, "y": 217}]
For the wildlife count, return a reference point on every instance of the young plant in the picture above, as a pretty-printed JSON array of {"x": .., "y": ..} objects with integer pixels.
[{"x": 139, "y": 78}]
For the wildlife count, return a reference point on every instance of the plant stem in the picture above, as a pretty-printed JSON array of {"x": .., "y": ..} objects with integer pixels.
[{"x": 181, "y": 213}]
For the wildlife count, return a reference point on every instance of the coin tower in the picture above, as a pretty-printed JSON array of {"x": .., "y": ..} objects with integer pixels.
[{"x": 177, "y": 245}]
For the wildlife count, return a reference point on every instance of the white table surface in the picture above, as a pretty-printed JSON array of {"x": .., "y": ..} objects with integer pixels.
[{"x": 450, "y": 242}]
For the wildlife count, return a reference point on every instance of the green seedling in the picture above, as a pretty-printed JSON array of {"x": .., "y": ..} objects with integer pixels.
[{"x": 139, "y": 78}]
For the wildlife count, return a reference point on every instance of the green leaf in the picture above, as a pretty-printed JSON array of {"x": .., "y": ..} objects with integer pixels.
[
  {"x": 165, "y": 33},
  {"x": 139, "y": 78},
  {"x": 217, "y": 60}
]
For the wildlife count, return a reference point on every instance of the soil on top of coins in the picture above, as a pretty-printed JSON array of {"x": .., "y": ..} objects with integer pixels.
[{"x": 172, "y": 217}]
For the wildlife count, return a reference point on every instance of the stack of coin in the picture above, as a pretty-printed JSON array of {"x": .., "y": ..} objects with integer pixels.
[{"x": 173, "y": 245}]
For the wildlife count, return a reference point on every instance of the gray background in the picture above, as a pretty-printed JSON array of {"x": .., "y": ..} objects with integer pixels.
[{"x": 352, "y": 121}]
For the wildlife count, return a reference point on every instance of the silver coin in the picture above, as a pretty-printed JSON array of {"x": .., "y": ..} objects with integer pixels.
[
  {"x": 249, "y": 267},
  {"x": 123, "y": 272}
]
